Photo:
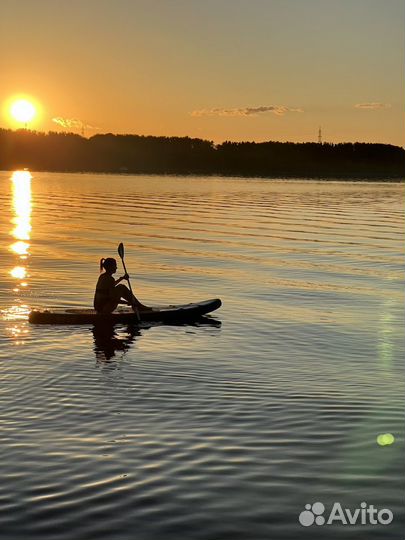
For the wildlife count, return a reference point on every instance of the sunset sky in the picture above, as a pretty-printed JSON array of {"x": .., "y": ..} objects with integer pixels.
[{"x": 215, "y": 69}]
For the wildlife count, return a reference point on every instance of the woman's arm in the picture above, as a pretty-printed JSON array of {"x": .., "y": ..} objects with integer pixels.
[{"x": 125, "y": 276}]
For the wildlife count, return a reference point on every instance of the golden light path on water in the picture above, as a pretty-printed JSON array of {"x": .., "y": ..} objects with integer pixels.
[
  {"x": 22, "y": 205},
  {"x": 21, "y": 233}
]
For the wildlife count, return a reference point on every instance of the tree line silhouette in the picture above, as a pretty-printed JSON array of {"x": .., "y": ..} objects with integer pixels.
[{"x": 184, "y": 155}]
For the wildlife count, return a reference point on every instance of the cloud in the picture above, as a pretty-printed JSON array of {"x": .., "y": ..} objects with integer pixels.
[
  {"x": 72, "y": 123},
  {"x": 245, "y": 111},
  {"x": 373, "y": 106}
]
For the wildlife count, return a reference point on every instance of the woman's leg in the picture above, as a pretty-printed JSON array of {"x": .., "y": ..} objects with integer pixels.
[{"x": 121, "y": 291}]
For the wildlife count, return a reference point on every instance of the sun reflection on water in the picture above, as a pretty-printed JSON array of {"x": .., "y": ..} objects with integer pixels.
[
  {"x": 22, "y": 205},
  {"x": 18, "y": 272},
  {"x": 20, "y": 248},
  {"x": 21, "y": 233}
]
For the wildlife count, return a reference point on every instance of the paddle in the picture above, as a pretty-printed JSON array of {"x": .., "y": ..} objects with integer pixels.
[{"x": 121, "y": 253}]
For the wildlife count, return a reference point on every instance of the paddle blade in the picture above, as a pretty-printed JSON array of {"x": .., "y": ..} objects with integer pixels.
[{"x": 121, "y": 250}]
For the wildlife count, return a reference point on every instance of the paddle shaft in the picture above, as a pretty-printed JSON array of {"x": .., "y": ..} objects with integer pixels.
[{"x": 130, "y": 288}]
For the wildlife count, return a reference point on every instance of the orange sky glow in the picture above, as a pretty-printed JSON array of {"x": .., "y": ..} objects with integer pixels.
[{"x": 275, "y": 70}]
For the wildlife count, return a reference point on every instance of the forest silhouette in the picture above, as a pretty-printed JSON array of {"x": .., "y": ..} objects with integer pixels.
[{"x": 109, "y": 153}]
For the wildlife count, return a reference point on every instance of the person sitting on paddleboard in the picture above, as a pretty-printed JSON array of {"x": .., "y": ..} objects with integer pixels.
[{"x": 108, "y": 291}]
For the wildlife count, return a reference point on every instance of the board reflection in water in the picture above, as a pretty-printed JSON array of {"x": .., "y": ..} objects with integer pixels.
[{"x": 110, "y": 340}]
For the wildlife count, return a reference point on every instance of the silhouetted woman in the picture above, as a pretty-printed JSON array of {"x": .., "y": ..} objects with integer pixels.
[{"x": 108, "y": 291}]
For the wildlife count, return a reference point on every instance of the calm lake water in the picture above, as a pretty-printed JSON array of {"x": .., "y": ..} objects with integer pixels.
[{"x": 220, "y": 431}]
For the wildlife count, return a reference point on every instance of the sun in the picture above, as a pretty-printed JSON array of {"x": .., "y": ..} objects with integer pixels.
[{"x": 23, "y": 110}]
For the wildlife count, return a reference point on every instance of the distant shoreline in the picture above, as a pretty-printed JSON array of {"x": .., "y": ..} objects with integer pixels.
[
  {"x": 184, "y": 156},
  {"x": 360, "y": 179}
]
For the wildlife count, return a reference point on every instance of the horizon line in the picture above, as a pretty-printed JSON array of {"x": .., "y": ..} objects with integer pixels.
[{"x": 82, "y": 136}]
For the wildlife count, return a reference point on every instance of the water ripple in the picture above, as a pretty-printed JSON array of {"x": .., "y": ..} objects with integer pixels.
[{"x": 212, "y": 431}]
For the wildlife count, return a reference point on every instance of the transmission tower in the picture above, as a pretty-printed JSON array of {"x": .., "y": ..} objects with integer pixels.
[{"x": 320, "y": 136}]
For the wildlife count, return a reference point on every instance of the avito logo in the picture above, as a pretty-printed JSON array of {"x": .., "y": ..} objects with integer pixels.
[{"x": 365, "y": 515}]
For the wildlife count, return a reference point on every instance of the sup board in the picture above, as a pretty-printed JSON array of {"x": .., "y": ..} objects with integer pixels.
[{"x": 185, "y": 312}]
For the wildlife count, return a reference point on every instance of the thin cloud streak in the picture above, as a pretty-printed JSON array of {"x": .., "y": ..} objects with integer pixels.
[
  {"x": 246, "y": 111},
  {"x": 373, "y": 106},
  {"x": 72, "y": 123}
]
